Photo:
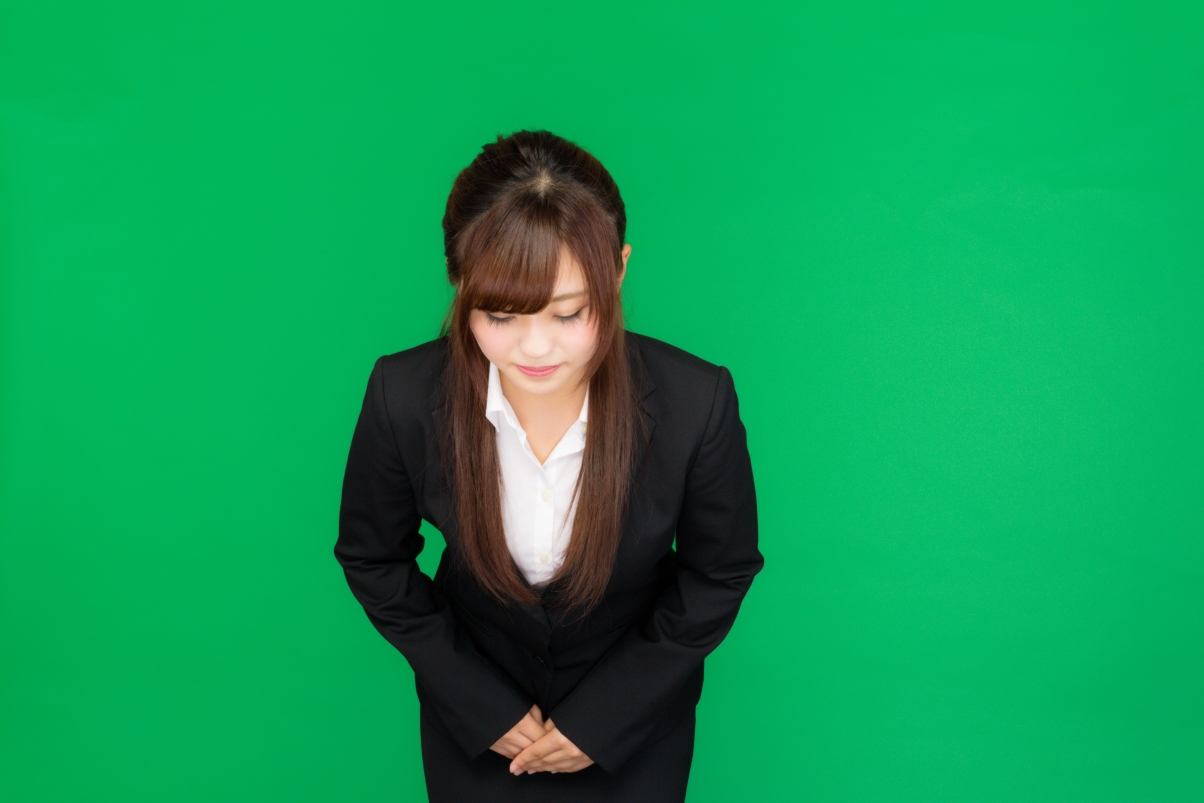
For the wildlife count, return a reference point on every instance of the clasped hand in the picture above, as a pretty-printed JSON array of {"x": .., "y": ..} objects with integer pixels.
[{"x": 535, "y": 745}]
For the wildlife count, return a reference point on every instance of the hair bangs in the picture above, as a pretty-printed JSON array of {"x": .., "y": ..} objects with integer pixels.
[
  {"x": 511, "y": 258},
  {"x": 590, "y": 237}
]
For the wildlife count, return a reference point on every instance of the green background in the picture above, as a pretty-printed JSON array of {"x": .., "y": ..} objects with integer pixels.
[{"x": 953, "y": 256}]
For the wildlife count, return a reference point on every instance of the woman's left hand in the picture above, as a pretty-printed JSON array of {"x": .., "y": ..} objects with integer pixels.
[{"x": 552, "y": 753}]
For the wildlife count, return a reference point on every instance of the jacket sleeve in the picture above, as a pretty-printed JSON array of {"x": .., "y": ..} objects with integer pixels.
[
  {"x": 377, "y": 545},
  {"x": 613, "y": 710}
]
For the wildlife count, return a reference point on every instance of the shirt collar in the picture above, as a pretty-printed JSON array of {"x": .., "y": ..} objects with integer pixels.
[{"x": 496, "y": 404}]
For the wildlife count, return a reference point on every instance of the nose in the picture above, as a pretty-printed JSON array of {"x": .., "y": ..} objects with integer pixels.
[{"x": 537, "y": 342}]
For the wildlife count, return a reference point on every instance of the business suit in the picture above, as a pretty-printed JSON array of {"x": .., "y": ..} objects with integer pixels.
[{"x": 622, "y": 683}]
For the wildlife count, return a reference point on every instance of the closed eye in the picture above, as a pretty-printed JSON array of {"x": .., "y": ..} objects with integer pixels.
[
  {"x": 576, "y": 316},
  {"x": 498, "y": 320}
]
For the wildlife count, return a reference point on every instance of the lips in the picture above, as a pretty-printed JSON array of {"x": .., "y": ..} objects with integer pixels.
[{"x": 537, "y": 370}]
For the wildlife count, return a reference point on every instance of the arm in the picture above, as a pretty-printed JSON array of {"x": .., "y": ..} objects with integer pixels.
[
  {"x": 618, "y": 704},
  {"x": 377, "y": 546}
]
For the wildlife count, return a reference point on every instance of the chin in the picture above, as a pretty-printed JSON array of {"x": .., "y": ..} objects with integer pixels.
[{"x": 534, "y": 386}]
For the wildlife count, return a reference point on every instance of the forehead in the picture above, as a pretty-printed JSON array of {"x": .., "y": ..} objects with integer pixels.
[{"x": 570, "y": 276}]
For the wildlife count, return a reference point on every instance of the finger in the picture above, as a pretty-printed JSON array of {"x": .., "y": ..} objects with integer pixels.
[
  {"x": 567, "y": 743},
  {"x": 529, "y": 731},
  {"x": 522, "y": 762},
  {"x": 507, "y": 749},
  {"x": 539, "y": 762},
  {"x": 564, "y": 757},
  {"x": 520, "y": 742},
  {"x": 550, "y": 741},
  {"x": 518, "y": 764},
  {"x": 547, "y": 762},
  {"x": 564, "y": 754},
  {"x": 531, "y": 753},
  {"x": 504, "y": 750},
  {"x": 516, "y": 742},
  {"x": 537, "y": 715},
  {"x": 568, "y": 765}
]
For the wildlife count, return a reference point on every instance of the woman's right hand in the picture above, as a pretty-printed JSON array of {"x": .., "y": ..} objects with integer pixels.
[{"x": 529, "y": 730}]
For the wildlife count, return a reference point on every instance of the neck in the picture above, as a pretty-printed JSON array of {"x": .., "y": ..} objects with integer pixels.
[{"x": 532, "y": 407}]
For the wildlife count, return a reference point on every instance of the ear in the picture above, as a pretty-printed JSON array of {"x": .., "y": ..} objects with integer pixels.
[{"x": 626, "y": 252}]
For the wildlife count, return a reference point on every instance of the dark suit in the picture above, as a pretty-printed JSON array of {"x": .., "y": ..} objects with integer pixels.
[{"x": 622, "y": 684}]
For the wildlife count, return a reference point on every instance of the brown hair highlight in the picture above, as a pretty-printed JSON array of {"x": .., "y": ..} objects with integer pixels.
[{"x": 510, "y": 213}]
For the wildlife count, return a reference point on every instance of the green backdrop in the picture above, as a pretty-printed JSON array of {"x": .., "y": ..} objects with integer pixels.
[{"x": 953, "y": 256}]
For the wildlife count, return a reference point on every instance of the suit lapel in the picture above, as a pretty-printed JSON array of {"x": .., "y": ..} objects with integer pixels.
[{"x": 646, "y": 389}]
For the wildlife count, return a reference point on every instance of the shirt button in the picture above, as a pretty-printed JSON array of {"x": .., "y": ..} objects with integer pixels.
[
  {"x": 582, "y": 427},
  {"x": 543, "y": 558},
  {"x": 545, "y": 495}
]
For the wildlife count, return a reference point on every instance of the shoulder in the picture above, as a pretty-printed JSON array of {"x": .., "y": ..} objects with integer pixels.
[
  {"x": 687, "y": 388},
  {"x": 674, "y": 369},
  {"x": 408, "y": 378}
]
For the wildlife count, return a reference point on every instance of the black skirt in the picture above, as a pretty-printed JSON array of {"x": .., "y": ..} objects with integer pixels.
[{"x": 656, "y": 773}]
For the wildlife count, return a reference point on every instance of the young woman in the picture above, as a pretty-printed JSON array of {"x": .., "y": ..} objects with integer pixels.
[{"x": 558, "y": 651}]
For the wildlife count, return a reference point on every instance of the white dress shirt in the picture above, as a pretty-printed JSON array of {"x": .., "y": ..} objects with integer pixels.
[{"x": 535, "y": 498}]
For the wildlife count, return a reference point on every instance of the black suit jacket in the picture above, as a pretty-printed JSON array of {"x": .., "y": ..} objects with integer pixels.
[{"x": 632, "y": 668}]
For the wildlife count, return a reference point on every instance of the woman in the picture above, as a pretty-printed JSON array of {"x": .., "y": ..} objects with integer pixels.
[{"x": 558, "y": 651}]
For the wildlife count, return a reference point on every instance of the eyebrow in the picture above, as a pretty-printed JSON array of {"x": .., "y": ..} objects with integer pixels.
[{"x": 568, "y": 295}]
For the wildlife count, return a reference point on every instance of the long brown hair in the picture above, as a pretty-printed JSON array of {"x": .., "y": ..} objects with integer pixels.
[{"x": 509, "y": 214}]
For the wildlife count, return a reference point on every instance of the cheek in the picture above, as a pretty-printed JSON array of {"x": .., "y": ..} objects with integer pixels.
[
  {"x": 496, "y": 342},
  {"x": 580, "y": 341}
]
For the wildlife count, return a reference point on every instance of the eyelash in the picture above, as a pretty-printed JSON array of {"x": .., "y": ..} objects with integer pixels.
[{"x": 496, "y": 321}]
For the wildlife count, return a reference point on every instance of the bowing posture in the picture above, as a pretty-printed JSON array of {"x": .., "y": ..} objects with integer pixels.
[{"x": 593, "y": 487}]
